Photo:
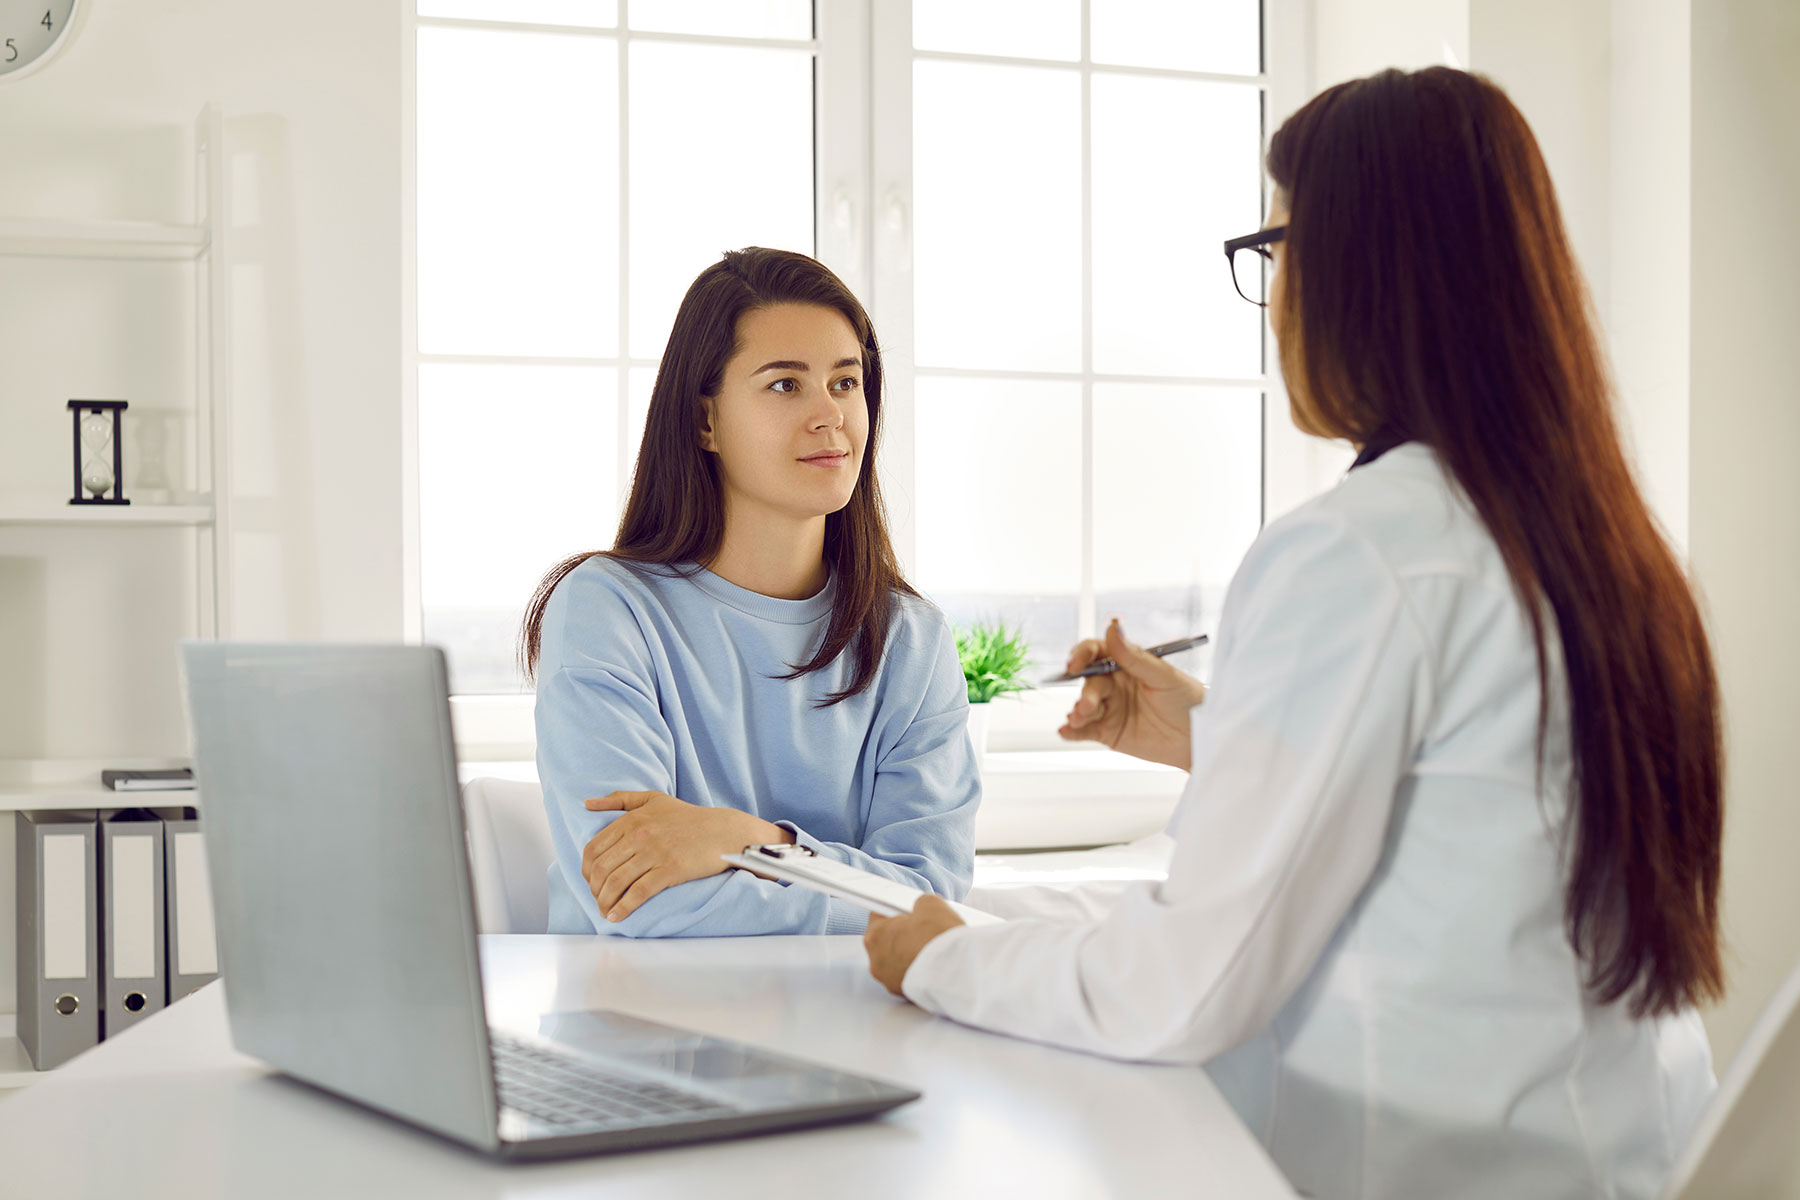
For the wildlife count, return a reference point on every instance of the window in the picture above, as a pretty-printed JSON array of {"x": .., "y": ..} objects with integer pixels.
[
  {"x": 1029, "y": 195},
  {"x": 573, "y": 175},
  {"x": 1087, "y": 399}
]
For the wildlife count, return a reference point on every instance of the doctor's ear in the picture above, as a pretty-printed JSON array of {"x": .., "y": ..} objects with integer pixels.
[{"x": 708, "y": 441}]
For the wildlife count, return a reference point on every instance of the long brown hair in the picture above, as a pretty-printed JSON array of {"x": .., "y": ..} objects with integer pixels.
[
  {"x": 676, "y": 511},
  {"x": 1429, "y": 278}
]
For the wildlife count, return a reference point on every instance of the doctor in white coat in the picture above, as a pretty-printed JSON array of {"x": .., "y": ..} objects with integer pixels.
[{"x": 1443, "y": 891}]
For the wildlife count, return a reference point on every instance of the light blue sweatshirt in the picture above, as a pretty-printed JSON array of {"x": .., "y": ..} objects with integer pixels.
[{"x": 651, "y": 681}]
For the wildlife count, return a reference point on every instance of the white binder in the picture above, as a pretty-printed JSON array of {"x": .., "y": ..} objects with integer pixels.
[
  {"x": 192, "y": 959},
  {"x": 133, "y": 983},
  {"x": 58, "y": 957}
]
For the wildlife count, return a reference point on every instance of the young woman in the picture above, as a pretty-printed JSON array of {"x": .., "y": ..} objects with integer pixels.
[
  {"x": 746, "y": 664},
  {"x": 1444, "y": 886}
]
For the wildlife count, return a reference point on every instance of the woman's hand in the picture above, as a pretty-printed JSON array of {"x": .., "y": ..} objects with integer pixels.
[
  {"x": 1140, "y": 709},
  {"x": 660, "y": 842},
  {"x": 893, "y": 942}
]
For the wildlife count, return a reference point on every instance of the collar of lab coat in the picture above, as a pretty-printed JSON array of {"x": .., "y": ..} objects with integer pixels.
[{"x": 1377, "y": 446}]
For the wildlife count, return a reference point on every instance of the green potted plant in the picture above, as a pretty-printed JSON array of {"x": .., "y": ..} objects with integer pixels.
[{"x": 993, "y": 660}]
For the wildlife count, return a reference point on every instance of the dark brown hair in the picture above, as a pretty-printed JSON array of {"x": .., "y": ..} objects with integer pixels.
[
  {"x": 1435, "y": 297},
  {"x": 676, "y": 511}
]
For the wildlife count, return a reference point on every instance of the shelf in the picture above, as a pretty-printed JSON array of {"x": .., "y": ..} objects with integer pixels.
[
  {"x": 100, "y": 239},
  {"x": 41, "y": 783},
  {"x": 38, "y": 796},
  {"x": 35, "y": 510}
]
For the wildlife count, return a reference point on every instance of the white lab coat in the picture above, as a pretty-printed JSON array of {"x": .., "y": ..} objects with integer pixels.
[{"x": 1361, "y": 933}]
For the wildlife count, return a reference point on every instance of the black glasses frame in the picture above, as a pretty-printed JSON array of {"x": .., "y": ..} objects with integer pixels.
[{"x": 1259, "y": 242}]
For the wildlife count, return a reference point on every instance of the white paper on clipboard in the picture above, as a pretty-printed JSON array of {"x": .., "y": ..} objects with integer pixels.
[{"x": 797, "y": 865}]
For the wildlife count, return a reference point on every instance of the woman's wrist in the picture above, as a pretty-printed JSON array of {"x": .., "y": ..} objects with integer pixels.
[{"x": 764, "y": 833}]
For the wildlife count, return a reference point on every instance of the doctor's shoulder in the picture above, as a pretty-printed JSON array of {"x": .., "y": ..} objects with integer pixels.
[
  {"x": 1346, "y": 545},
  {"x": 1405, "y": 506}
]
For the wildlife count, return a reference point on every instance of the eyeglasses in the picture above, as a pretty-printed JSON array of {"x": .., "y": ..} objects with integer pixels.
[{"x": 1246, "y": 256}]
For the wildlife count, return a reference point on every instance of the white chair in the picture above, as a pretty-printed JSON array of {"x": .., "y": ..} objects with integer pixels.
[
  {"x": 1744, "y": 1146},
  {"x": 509, "y": 854}
]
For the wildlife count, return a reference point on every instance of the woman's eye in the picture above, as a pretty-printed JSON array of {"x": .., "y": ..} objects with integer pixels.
[
  {"x": 785, "y": 385},
  {"x": 848, "y": 383}
]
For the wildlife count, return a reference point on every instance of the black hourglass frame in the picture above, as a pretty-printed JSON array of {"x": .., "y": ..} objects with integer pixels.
[{"x": 115, "y": 407}]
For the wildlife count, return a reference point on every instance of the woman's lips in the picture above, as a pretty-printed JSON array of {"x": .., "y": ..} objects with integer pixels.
[{"x": 835, "y": 458}]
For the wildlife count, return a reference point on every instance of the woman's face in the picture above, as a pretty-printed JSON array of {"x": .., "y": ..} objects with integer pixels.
[
  {"x": 1278, "y": 215},
  {"x": 790, "y": 421},
  {"x": 1300, "y": 409}
]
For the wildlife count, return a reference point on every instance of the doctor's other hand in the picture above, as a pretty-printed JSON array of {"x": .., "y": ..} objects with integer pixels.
[
  {"x": 1141, "y": 709},
  {"x": 893, "y": 942},
  {"x": 660, "y": 842}
]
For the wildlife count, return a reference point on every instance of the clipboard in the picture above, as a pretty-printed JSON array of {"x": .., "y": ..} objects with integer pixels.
[{"x": 799, "y": 865}]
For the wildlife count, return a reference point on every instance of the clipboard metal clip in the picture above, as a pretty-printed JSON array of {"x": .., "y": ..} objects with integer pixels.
[{"x": 781, "y": 850}]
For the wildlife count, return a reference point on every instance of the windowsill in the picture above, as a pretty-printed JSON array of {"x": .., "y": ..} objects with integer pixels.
[
  {"x": 1032, "y": 799},
  {"x": 1043, "y": 799}
]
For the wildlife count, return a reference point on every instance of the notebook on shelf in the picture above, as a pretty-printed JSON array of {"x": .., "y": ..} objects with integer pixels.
[{"x": 168, "y": 779}]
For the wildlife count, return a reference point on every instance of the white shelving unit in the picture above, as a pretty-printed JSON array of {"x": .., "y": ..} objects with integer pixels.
[
  {"x": 75, "y": 784},
  {"x": 102, "y": 239},
  {"x": 36, "y": 510}
]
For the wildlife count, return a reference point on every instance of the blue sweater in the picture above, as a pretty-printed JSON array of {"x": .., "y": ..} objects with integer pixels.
[{"x": 651, "y": 681}]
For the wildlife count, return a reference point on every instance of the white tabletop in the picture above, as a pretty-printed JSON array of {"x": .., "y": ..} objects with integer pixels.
[{"x": 168, "y": 1109}]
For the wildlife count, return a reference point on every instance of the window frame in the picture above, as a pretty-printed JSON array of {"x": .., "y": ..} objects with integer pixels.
[{"x": 862, "y": 49}]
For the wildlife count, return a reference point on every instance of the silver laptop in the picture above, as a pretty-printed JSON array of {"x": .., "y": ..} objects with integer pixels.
[{"x": 346, "y": 923}]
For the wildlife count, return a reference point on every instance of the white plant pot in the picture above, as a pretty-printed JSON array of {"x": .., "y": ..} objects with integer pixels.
[{"x": 978, "y": 729}]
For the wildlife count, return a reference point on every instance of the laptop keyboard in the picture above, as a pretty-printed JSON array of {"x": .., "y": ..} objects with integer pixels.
[{"x": 566, "y": 1090}]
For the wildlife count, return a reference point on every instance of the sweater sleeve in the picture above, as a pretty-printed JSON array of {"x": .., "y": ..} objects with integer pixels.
[
  {"x": 921, "y": 823},
  {"x": 1320, "y": 693},
  {"x": 600, "y": 729}
]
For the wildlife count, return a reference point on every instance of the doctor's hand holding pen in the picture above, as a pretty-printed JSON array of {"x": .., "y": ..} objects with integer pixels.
[
  {"x": 1140, "y": 709},
  {"x": 1139, "y": 706}
]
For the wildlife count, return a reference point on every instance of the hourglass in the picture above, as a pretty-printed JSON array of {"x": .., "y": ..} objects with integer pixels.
[{"x": 98, "y": 465}]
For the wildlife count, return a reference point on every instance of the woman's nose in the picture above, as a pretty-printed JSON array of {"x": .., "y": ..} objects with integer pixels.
[{"x": 829, "y": 415}]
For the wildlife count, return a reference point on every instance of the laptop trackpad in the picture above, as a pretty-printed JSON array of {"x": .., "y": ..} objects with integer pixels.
[{"x": 723, "y": 1068}]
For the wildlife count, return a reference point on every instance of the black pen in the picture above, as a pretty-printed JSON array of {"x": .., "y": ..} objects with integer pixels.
[{"x": 1106, "y": 666}]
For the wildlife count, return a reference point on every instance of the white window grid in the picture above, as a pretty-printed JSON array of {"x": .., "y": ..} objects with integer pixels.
[
  {"x": 863, "y": 193},
  {"x": 621, "y": 364},
  {"x": 893, "y": 71}
]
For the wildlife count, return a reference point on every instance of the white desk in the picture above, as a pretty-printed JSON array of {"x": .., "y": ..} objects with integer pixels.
[{"x": 168, "y": 1109}]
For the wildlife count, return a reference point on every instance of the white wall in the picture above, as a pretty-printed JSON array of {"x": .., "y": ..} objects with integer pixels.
[
  {"x": 312, "y": 100},
  {"x": 1745, "y": 443},
  {"x": 313, "y": 133},
  {"x": 1352, "y": 38},
  {"x": 1651, "y": 244},
  {"x": 1553, "y": 58},
  {"x": 1605, "y": 87}
]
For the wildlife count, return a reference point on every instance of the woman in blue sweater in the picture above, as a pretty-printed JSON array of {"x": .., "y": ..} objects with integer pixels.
[{"x": 747, "y": 664}]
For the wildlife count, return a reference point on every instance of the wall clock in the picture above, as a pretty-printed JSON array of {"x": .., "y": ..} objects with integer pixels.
[{"x": 31, "y": 32}]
